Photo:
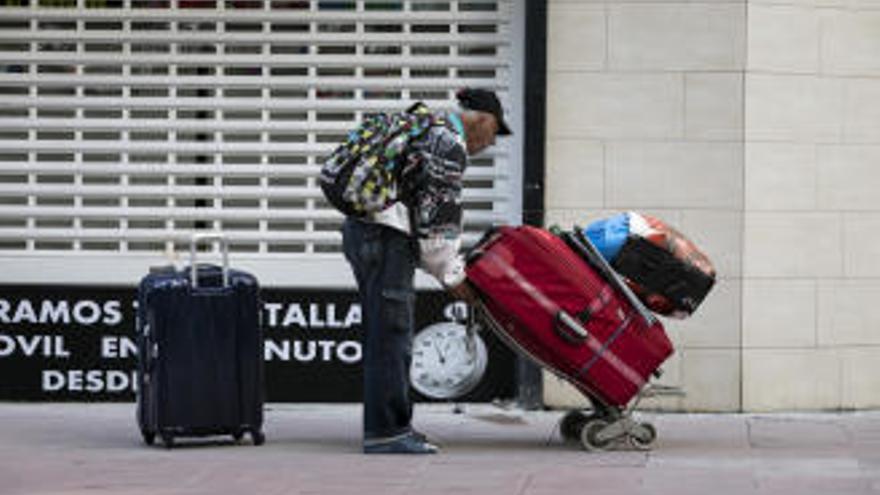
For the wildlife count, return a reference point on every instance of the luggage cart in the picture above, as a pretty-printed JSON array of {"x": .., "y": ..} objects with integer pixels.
[{"x": 603, "y": 426}]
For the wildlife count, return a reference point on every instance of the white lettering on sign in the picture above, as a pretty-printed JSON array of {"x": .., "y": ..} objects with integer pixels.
[
  {"x": 86, "y": 312},
  {"x": 57, "y": 312},
  {"x": 113, "y": 347},
  {"x": 315, "y": 316},
  {"x": 272, "y": 309},
  {"x": 33, "y": 345},
  {"x": 312, "y": 315},
  {"x": 353, "y": 317},
  {"x": 305, "y": 351},
  {"x": 332, "y": 322},
  {"x": 294, "y": 316},
  {"x": 88, "y": 381},
  {"x": 326, "y": 349},
  {"x": 112, "y": 313},
  {"x": 349, "y": 351},
  {"x": 25, "y": 312}
]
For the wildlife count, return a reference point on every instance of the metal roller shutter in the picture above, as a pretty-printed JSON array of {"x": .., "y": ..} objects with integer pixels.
[{"x": 127, "y": 125}]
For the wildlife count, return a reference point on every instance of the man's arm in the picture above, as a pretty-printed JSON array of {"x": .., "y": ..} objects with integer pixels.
[{"x": 437, "y": 204}]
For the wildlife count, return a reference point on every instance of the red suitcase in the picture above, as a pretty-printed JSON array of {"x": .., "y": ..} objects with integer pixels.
[{"x": 577, "y": 320}]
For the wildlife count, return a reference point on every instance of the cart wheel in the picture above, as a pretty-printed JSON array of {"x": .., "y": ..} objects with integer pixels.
[
  {"x": 168, "y": 440},
  {"x": 590, "y": 435},
  {"x": 237, "y": 435},
  {"x": 148, "y": 436},
  {"x": 642, "y": 437},
  {"x": 571, "y": 424},
  {"x": 258, "y": 437}
]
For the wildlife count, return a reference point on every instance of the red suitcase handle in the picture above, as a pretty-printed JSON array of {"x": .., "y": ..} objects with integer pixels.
[{"x": 569, "y": 328}]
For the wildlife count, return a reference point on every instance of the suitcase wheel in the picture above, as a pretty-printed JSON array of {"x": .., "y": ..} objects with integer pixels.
[
  {"x": 642, "y": 437},
  {"x": 148, "y": 436},
  {"x": 591, "y": 437},
  {"x": 167, "y": 439},
  {"x": 237, "y": 435},
  {"x": 258, "y": 437},
  {"x": 571, "y": 424}
]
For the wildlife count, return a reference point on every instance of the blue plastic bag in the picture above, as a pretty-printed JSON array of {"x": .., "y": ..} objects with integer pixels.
[{"x": 609, "y": 235}]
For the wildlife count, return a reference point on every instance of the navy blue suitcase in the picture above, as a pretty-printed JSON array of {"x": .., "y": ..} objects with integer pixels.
[{"x": 200, "y": 352}]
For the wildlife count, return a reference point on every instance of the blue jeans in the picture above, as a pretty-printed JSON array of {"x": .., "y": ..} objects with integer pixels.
[{"x": 383, "y": 261}]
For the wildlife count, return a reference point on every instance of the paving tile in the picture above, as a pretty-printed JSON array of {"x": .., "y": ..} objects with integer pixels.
[
  {"x": 767, "y": 432},
  {"x": 699, "y": 481},
  {"x": 813, "y": 485}
]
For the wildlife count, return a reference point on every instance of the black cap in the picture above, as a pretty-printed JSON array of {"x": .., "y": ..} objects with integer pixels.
[{"x": 483, "y": 100}]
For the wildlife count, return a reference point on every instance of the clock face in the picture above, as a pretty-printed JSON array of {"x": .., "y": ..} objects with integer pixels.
[{"x": 447, "y": 363}]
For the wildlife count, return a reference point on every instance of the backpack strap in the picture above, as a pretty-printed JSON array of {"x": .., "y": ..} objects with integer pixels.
[{"x": 422, "y": 113}]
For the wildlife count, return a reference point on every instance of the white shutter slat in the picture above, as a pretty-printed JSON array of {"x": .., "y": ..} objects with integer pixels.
[
  {"x": 211, "y": 191},
  {"x": 214, "y": 103},
  {"x": 179, "y": 236},
  {"x": 178, "y": 147},
  {"x": 160, "y": 235},
  {"x": 266, "y": 62},
  {"x": 297, "y": 82},
  {"x": 280, "y": 15},
  {"x": 182, "y": 213},
  {"x": 290, "y": 171},
  {"x": 194, "y": 37}
]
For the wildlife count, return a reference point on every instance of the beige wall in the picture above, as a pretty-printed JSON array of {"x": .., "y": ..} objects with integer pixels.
[
  {"x": 811, "y": 297},
  {"x": 765, "y": 149}
]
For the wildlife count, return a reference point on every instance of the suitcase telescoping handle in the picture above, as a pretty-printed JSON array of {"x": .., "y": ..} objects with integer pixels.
[
  {"x": 216, "y": 237},
  {"x": 569, "y": 328},
  {"x": 586, "y": 247},
  {"x": 477, "y": 250}
]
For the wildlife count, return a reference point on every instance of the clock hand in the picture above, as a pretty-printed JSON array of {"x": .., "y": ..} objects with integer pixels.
[{"x": 440, "y": 353}]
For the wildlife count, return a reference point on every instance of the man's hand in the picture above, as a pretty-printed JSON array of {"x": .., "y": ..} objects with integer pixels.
[{"x": 464, "y": 292}]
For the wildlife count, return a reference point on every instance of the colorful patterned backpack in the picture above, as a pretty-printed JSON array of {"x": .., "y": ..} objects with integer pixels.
[{"x": 361, "y": 176}]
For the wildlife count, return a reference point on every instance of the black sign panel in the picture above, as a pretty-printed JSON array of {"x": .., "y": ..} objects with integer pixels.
[{"x": 73, "y": 343}]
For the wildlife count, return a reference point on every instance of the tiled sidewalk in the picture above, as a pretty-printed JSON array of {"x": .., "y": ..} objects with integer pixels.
[{"x": 314, "y": 449}]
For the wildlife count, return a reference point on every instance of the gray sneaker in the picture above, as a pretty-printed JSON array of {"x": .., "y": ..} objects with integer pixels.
[
  {"x": 425, "y": 438},
  {"x": 412, "y": 443}
]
